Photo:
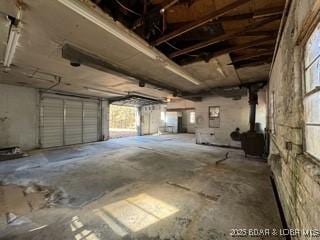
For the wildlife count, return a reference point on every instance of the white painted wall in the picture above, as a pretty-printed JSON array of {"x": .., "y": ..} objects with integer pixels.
[
  {"x": 151, "y": 118},
  {"x": 18, "y": 117},
  {"x": 180, "y": 103},
  {"x": 233, "y": 114},
  {"x": 183, "y": 106},
  {"x": 172, "y": 121},
  {"x": 190, "y": 127}
]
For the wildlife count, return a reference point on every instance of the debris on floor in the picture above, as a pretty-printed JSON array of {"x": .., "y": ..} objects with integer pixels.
[
  {"x": 221, "y": 160},
  {"x": 11, "y": 153},
  {"x": 201, "y": 194},
  {"x": 15, "y": 220},
  {"x": 17, "y": 201},
  {"x": 122, "y": 189}
]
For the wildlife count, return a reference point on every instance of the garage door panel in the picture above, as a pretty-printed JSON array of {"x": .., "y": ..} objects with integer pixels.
[
  {"x": 90, "y": 121},
  {"x": 73, "y": 122},
  {"x": 66, "y": 121},
  {"x": 51, "y": 122}
]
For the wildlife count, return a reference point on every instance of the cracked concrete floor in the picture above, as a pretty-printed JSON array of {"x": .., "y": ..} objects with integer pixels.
[{"x": 150, "y": 187}]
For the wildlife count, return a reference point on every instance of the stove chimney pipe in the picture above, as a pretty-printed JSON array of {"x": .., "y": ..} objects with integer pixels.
[{"x": 253, "y": 101}]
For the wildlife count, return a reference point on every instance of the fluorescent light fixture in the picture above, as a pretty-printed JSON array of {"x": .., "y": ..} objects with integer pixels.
[
  {"x": 186, "y": 76},
  {"x": 124, "y": 35},
  {"x": 11, "y": 46}
]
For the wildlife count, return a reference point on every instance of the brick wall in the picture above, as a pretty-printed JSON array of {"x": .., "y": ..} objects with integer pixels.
[{"x": 297, "y": 176}]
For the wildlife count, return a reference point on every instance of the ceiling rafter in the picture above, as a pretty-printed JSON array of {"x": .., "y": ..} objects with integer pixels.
[
  {"x": 223, "y": 37},
  {"x": 258, "y": 62},
  {"x": 267, "y": 12},
  {"x": 250, "y": 56},
  {"x": 188, "y": 27},
  {"x": 262, "y": 41},
  {"x": 260, "y": 33}
]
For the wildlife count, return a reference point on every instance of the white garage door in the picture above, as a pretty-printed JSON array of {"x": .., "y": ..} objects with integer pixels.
[
  {"x": 90, "y": 123},
  {"x": 66, "y": 121},
  {"x": 51, "y": 126},
  {"x": 73, "y": 122}
]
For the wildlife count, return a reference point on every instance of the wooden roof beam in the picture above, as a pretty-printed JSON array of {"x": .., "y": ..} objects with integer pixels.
[
  {"x": 242, "y": 46},
  {"x": 223, "y": 37},
  {"x": 268, "y": 12},
  {"x": 269, "y": 46},
  {"x": 250, "y": 56},
  {"x": 260, "y": 33},
  {"x": 255, "y": 43},
  {"x": 188, "y": 27},
  {"x": 256, "y": 63}
]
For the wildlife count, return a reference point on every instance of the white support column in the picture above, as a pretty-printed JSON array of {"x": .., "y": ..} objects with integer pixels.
[
  {"x": 105, "y": 120},
  {"x": 138, "y": 121}
]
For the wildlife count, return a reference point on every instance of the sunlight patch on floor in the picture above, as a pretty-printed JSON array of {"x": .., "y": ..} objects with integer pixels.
[
  {"x": 83, "y": 234},
  {"x": 135, "y": 213}
]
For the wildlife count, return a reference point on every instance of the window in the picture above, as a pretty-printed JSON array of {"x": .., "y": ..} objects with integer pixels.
[
  {"x": 214, "y": 112},
  {"x": 214, "y": 117},
  {"x": 163, "y": 116},
  {"x": 192, "y": 117},
  {"x": 312, "y": 93}
]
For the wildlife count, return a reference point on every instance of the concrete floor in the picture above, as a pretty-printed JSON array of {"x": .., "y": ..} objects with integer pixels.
[
  {"x": 122, "y": 132},
  {"x": 151, "y": 187}
]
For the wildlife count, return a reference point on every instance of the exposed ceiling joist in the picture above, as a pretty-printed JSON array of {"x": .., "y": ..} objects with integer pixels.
[
  {"x": 268, "y": 12},
  {"x": 188, "y": 27},
  {"x": 250, "y": 56},
  {"x": 255, "y": 43},
  {"x": 254, "y": 63},
  {"x": 244, "y": 46},
  {"x": 259, "y": 33},
  {"x": 267, "y": 46},
  {"x": 223, "y": 37}
]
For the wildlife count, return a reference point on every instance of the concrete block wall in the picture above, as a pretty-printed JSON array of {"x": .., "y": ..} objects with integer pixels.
[
  {"x": 297, "y": 175},
  {"x": 19, "y": 117}
]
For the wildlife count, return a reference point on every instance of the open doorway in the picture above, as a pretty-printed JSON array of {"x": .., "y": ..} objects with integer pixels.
[{"x": 122, "y": 122}]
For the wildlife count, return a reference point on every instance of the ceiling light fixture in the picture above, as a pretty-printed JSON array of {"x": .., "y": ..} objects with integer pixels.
[
  {"x": 11, "y": 46},
  {"x": 124, "y": 35},
  {"x": 14, "y": 34}
]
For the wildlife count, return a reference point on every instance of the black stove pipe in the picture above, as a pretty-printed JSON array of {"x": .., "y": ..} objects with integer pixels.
[{"x": 253, "y": 101}]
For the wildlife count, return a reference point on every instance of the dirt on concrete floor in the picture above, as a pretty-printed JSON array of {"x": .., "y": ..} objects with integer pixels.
[{"x": 155, "y": 187}]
